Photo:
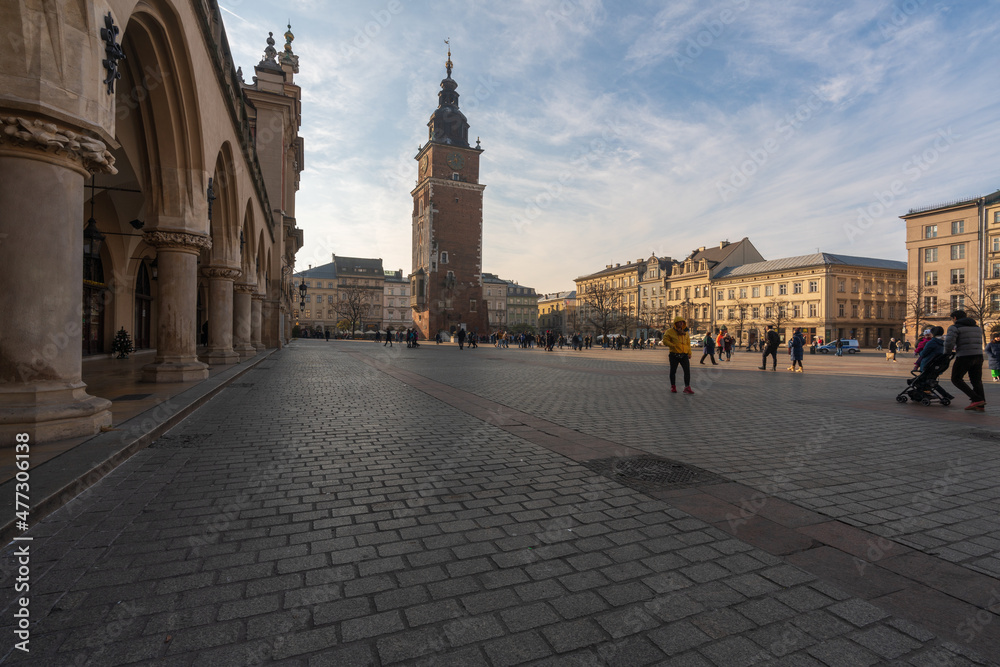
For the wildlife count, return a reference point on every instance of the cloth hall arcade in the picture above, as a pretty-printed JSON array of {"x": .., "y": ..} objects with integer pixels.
[{"x": 145, "y": 186}]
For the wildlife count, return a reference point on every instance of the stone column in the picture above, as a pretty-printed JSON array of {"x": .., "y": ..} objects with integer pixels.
[
  {"x": 177, "y": 307},
  {"x": 242, "y": 320},
  {"x": 42, "y": 172},
  {"x": 257, "y": 321},
  {"x": 220, "y": 315}
]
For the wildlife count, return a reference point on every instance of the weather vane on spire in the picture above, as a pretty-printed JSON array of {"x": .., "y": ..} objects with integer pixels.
[{"x": 448, "y": 64}]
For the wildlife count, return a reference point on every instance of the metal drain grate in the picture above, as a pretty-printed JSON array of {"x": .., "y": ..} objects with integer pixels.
[
  {"x": 131, "y": 397},
  {"x": 647, "y": 473},
  {"x": 180, "y": 441},
  {"x": 989, "y": 436}
]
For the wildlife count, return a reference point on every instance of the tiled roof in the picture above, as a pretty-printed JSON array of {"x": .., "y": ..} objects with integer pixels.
[
  {"x": 359, "y": 266},
  {"x": 324, "y": 271},
  {"x": 815, "y": 259}
]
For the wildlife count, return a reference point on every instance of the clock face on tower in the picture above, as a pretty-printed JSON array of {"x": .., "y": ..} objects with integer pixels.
[
  {"x": 423, "y": 165},
  {"x": 455, "y": 161}
]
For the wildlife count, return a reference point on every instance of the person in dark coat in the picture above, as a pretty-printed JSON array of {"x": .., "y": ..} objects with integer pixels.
[
  {"x": 708, "y": 350},
  {"x": 770, "y": 343},
  {"x": 461, "y": 339},
  {"x": 795, "y": 347},
  {"x": 965, "y": 338}
]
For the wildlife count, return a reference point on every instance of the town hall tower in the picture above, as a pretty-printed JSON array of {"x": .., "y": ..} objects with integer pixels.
[{"x": 446, "y": 284}]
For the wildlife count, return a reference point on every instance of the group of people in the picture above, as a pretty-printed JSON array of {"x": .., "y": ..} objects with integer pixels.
[{"x": 964, "y": 339}]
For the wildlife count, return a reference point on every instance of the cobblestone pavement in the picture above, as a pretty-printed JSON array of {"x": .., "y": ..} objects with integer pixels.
[{"x": 347, "y": 504}]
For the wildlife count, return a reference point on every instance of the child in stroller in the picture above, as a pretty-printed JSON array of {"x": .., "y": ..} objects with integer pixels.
[{"x": 923, "y": 386}]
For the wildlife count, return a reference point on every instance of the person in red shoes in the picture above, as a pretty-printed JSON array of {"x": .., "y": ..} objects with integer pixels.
[{"x": 678, "y": 342}]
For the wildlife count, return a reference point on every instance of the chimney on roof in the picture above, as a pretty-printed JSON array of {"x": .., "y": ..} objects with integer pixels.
[
  {"x": 617, "y": 264},
  {"x": 723, "y": 244},
  {"x": 608, "y": 266},
  {"x": 701, "y": 249}
]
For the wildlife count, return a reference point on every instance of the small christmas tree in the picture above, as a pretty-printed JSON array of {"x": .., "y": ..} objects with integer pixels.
[{"x": 122, "y": 344}]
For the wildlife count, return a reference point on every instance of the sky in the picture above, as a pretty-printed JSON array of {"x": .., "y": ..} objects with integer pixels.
[{"x": 613, "y": 131}]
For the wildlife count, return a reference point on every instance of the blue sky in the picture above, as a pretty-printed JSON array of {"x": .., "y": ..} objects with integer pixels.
[{"x": 616, "y": 130}]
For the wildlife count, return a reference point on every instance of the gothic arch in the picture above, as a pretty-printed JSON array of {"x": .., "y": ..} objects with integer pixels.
[
  {"x": 225, "y": 222},
  {"x": 158, "y": 115}
]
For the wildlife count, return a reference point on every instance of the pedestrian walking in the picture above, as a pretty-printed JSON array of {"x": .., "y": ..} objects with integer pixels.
[
  {"x": 771, "y": 343},
  {"x": 378, "y": 336},
  {"x": 840, "y": 347},
  {"x": 878, "y": 345},
  {"x": 965, "y": 338},
  {"x": 727, "y": 344},
  {"x": 891, "y": 354},
  {"x": 326, "y": 334},
  {"x": 678, "y": 342},
  {"x": 388, "y": 338},
  {"x": 708, "y": 350},
  {"x": 795, "y": 348},
  {"x": 461, "y": 339},
  {"x": 993, "y": 356}
]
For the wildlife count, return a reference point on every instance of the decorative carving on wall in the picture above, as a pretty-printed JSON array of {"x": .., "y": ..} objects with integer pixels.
[
  {"x": 243, "y": 288},
  {"x": 221, "y": 272},
  {"x": 49, "y": 137},
  {"x": 109, "y": 33},
  {"x": 178, "y": 241}
]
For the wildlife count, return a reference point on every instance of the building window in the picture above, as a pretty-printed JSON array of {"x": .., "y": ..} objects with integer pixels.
[
  {"x": 958, "y": 276},
  {"x": 958, "y": 227},
  {"x": 930, "y": 278},
  {"x": 796, "y": 288},
  {"x": 444, "y": 257},
  {"x": 855, "y": 286},
  {"x": 995, "y": 244},
  {"x": 721, "y": 294},
  {"x": 755, "y": 312},
  {"x": 768, "y": 312},
  {"x": 768, "y": 290},
  {"x": 813, "y": 285},
  {"x": 840, "y": 310},
  {"x": 996, "y": 269},
  {"x": 697, "y": 291},
  {"x": 958, "y": 251},
  {"x": 854, "y": 310},
  {"x": 796, "y": 310},
  {"x": 743, "y": 292},
  {"x": 812, "y": 310},
  {"x": 718, "y": 313},
  {"x": 841, "y": 285},
  {"x": 881, "y": 313},
  {"x": 930, "y": 232},
  {"x": 930, "y": 254},
  {"x": 687, "y": 292},
  {"x": 755, "y": 292},
  {"x": 958, "y": 302},
  {"x": 732, "y": 294},
  {"x": 732, "y": 313},
  {"x": 782, "y": 289},
  {"x": 308, "y": 313}
]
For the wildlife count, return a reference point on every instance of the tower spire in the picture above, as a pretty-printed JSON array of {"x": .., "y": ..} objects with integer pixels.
[{"x": 448, "y": 65}]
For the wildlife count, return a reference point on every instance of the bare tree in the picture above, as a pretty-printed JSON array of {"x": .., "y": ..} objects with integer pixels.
[
  {"x": 915, "y": 305},
  {"x": 740, "y": 317},
  {"x": 354, "y": 304},
  {"x": 980, "y": 305},
  {"x": 603, "y": 307},
  {"x": 778, "y": 310}
]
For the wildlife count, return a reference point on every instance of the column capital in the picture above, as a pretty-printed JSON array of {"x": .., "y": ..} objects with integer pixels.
[
  {"x": 185, "y": 241},
  {"x": 258, "y": 296},
  {"x": 221, "y": 272},
  {"x": 245, "y": 288},
  {"x": 47, "y": 140}
]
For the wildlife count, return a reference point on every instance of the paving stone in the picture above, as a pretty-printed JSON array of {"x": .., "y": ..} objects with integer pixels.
[
  {"x": 517, "y": 649},
  {"x": 363, "y": 627},
  {"x": 571, "y": 635}
]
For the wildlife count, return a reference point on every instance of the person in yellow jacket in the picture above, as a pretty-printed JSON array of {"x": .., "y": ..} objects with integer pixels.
[{"x": 678, "y": 342}]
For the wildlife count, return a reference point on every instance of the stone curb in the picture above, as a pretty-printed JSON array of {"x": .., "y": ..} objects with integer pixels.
[{"x": 59, "y": 480}]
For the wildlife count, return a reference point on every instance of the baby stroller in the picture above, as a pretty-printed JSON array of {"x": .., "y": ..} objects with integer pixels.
[{"x": 923, "y": 387}]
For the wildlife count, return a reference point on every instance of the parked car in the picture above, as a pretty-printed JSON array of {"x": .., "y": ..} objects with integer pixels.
[
  {"x": 697, "y": 340},
  {"x": 850, "y": 346}
]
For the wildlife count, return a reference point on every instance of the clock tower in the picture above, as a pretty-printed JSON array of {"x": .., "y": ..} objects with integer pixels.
[{"x": 446, "y": 287}]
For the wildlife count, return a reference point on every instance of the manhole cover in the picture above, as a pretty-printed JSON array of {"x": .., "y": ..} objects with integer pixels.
[
  {"x": 648, "y": 473},
  {"x": 655, "y": 471}
]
